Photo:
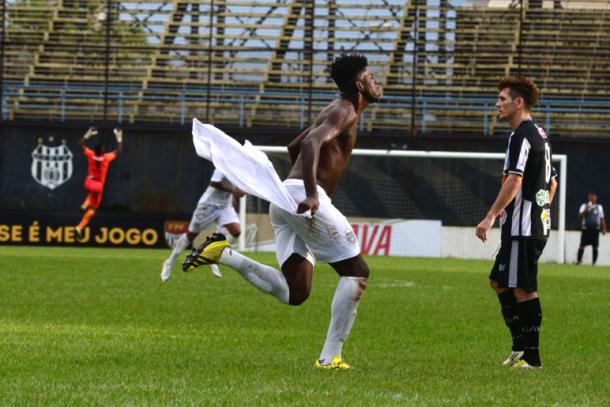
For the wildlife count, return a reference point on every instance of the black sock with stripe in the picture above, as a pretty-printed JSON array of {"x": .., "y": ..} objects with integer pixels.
[
  {"x": 511, "y": 319},
  {"x": 530, "y": 314}
]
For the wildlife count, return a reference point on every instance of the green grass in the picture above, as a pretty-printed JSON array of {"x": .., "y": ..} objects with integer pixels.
[{"x": 85, "y": 326}]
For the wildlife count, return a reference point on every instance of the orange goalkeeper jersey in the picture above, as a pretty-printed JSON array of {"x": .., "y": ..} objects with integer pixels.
[{"x": 98, "y": 165}]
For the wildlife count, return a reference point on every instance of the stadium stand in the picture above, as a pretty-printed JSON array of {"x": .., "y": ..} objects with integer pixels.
[{"x": 260, "y": 63}]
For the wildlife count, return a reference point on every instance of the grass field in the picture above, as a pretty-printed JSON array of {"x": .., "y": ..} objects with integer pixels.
[{"x": 97, "y": 327}]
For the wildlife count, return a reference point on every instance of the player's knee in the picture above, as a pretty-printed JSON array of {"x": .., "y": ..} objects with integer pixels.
[
  {"x": 233, "y": 229},
  {"x": 298, "y": 297},
  {"x": 522, "y": 295},
  {"x": 363, "y": 270}
]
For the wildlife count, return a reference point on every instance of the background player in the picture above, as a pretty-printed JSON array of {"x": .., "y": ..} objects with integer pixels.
[
  {"x": 592, "y": 216},
  {"x": 214, "y": 206},
  {"x": 320, "y": 156},
  {"x": 98, "y": 162},
  {"x": 524, "y": 201}
]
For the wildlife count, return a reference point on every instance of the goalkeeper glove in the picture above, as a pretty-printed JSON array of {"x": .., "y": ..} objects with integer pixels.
[
  {"x": 92, "y": 131},
  {"x": 118, "y": 133}
]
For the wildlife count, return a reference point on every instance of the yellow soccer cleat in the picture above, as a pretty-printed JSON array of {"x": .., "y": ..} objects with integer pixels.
[
  {"x": 337, "y": 363},
  {"x": 513, "y": 358},
  {"x": 522, "y": 364},
  {"x": 208, "y": 253}
]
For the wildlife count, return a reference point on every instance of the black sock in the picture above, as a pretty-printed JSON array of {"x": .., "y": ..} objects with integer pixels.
[
  {"x": 580, "y": 252},
  {"x": 511, "y": 318},
  {"x": 530, "y": 314},
  {"x": 594, "y": 255}
]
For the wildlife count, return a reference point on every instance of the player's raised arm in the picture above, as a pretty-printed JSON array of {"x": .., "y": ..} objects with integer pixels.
[
  {"x": 329, "y": 127},
  {"x": 118, "y": 134},
  {"x": 91, "y": 131}
]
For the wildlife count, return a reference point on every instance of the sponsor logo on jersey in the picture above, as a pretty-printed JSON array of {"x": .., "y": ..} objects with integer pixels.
[
  {"x": 543, "y": 197},
  {"x": 541, "y": 132},
  {"x": 51, "y": 165},
  {"x": 545, "y": 217}
]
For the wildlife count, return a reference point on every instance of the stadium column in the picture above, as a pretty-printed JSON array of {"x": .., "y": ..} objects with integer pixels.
[
  {"x": 330, "y": 48},
  {"x": 210, "y": 50},
  {"x": 2, "y": 39},
  {"x": 309, "y": 34},
  {"x": 107, "y": 72}
]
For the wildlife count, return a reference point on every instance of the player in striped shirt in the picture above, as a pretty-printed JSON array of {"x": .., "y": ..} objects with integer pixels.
[{"x": 523, "y": 205}]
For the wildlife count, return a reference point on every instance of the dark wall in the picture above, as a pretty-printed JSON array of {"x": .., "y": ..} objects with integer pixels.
[{"x": 159, "y": 171}]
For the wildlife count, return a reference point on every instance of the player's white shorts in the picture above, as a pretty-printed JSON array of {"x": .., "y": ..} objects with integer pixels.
[
  {"x": 327, "y": 237},
  {"x": 206, "y": 214}
]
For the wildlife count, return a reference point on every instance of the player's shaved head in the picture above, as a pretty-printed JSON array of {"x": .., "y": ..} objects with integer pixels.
[
  {"x": 345, "y": 70},
  {"x": 520, "y": 86}
]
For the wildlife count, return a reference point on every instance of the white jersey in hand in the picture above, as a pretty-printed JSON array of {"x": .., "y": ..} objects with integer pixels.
[{"x": 248, "y": 168}]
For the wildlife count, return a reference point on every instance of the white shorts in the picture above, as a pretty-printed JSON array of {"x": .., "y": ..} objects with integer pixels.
[
  {"x": 327, "y": 237},
  {"x": 206, "y": 214}
]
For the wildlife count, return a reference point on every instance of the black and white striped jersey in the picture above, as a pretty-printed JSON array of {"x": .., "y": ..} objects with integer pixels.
[{"x": 528, "y": 155}]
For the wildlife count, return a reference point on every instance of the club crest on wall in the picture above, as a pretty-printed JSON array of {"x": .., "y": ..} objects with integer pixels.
[{"x": 51, "y": 165}]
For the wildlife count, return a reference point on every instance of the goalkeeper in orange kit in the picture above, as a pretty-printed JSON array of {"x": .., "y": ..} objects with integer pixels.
[{"x": 98, "y": 162}]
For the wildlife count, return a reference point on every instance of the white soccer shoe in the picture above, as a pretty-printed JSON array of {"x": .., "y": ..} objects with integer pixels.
[
  {"x": 513, "y": 358},
  {"x": 166, "y": 271}
]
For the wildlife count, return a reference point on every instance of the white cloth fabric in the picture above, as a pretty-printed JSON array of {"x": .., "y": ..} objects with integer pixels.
[
  {"x": 327, "y": 237},
  {"x": 216, "y": 196},
  {"x": 245, "y": 166}
]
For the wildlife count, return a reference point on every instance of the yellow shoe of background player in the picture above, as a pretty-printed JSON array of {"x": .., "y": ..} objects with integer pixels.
[
  {"x": 522, "y": 364},
  {"x": 513, "y": 358},
  {"x": 336, "y": 363},
  {"x": 207, "y": 253}
]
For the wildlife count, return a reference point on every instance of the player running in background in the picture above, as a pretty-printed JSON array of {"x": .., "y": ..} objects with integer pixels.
[
  {"x": 98, "y": 162},
  {"x": 214, "y": 206},
  {"x": 320, "y": 156},
  {"x": 523, "y": 205}
]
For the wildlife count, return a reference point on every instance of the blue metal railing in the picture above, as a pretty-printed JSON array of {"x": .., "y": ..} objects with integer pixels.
[{"x": 427, "y": 107}]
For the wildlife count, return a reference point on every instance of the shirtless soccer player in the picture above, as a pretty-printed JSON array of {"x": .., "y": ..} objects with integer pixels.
[{"x": 320, "y": 156}]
